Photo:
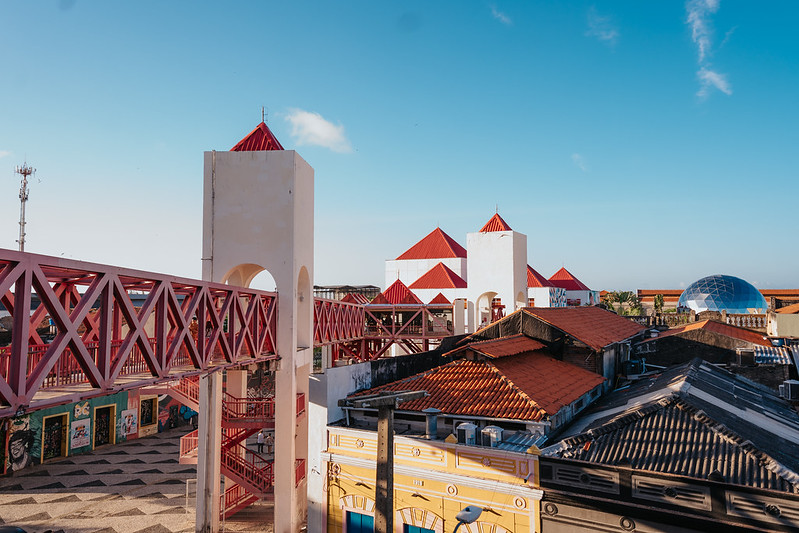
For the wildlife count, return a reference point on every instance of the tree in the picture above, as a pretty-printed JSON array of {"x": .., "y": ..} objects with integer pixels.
[
  {"x": 659, "y": 303},
  {"x": 627, "y": 302}
]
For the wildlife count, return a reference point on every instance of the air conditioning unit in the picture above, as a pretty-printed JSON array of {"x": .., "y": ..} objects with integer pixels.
[
  {"x": 466, "y": 432},
  {"x": 491, "y": 435},
  {"x": 790, "y": 390}
]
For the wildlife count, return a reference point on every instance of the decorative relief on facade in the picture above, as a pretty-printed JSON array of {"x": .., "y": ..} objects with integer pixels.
[
  {"x": 484, "y": 527},
  {"x": 357, "y": 503},
  {"x": 413, "y": 516},
  {"x": 452, "y": 490},
  {"x": 520, "y": 503},
  {"x": 359, "y": 443}
]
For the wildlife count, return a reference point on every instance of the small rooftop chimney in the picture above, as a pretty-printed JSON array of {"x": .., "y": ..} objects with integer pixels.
[{"x": 431, "y": 422}]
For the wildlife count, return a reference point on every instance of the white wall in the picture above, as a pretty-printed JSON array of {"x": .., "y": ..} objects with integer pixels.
[
  {"x": 409, "y": 270},
  {"x": 497, "y": 263},
  {"x": 783, "y": 325},
  {"x": 425, "y": 295}
]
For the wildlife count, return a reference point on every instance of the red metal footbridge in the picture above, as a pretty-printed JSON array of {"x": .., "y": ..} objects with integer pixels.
[{"x": 110, "y": 328}]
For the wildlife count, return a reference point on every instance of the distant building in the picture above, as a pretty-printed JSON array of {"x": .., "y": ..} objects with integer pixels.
[{"x": 338, "y": 292}]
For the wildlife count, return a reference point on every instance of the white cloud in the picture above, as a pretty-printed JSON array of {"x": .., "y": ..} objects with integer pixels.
[
  {"x": 309, "y": 128},
  {"x": 708, "y": 79},
  {"x": 698, "y": 13},
  {"x": 4, "y": 153},
  {"x": 579, "y": 160},
  {"x": 500, "y": 16},
  {"x": 601, "y": 27}
]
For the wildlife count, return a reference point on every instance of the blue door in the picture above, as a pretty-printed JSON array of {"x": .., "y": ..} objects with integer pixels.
[{"x": 360, "y": 523}]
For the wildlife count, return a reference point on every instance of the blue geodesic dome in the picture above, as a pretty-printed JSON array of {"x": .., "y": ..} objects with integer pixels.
[{"x": 723, "y": 293}]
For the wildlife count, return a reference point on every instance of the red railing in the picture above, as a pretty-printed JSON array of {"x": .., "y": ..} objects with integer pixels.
[
  {"x": 300, "y": 403},
  {"x": 235, "y": 498},
  {"x": 255, "y": 409},
  {"x": 299, "y": 471},
  {"x": 189, "y": 443},
  {"x": 251, "y": 469},
  {"x": 109, "y": 322}
]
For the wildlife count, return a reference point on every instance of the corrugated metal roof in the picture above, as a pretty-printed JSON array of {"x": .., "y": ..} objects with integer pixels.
[
  {"x": 439, "y": 277},
  {"x": 566, "y": 280},
  {"x": 435, "y": 245},
  {"x": 356, "y": 298},
  {"x": 259, "y": 139},
  {"x": 773, "y": 355},
  {"x": 534, "y": 279},
  {"x": 495, "y": 224}
]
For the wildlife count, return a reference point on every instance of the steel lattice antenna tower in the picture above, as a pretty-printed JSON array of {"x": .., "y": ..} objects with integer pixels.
[{"x": 23, "y": 171}]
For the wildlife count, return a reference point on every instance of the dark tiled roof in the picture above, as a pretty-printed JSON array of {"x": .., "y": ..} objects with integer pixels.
[{"x": 693, "y": 420}]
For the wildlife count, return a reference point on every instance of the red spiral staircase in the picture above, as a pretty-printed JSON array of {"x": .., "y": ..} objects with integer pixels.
[{"x": 241, "y": 418}]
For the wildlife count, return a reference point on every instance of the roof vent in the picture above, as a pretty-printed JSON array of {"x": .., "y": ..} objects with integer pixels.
[
  {"x": 790, "y": 390},
  {"x": 491, "y": 435},
  {"x": 431, "y": 425},
  {"x": 466, "y": 432}
]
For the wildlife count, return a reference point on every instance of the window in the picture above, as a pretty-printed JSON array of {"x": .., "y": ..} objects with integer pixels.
[
  {"x": 149, "y": 412},
  {"x": 415, "y": 529},
  {"x": 360, "y": 523}
]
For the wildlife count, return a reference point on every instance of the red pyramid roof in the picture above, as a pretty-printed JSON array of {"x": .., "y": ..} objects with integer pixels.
[
  {"x": 495, "y": 224},
  {"x": 439, "y": 277},
  {"x": 440, "y": 299},
  {"x": 435, "y": 245},
  {"x": 534, "y": 279},
  {"x": 398, "y": 293},
  {"x": 258, "y": 140},
  {"x": 565, "y": 280},
  {"x": 355, "y": 298}
]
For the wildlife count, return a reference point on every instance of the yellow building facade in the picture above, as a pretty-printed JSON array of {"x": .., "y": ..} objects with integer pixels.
[{"x": 433, "y": 480}]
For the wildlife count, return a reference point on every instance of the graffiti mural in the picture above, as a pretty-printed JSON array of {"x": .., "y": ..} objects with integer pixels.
[
  {"x": 172, "y": 414},
  {"x": 130, "y": 422},
  {"x": 20, "y": 444}
]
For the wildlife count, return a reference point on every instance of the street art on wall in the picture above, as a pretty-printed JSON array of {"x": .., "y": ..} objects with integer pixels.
[
  {"x": 21, "y": 439},
  {"x": 80, "y": 434},
  {"x": 130, "y": 422},
  {"x": 81, "y": 410},
  {"x": 172, "y": 413}
]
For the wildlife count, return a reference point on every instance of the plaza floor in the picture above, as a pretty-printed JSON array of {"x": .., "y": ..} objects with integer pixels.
[{"x": 132, "y": 487}]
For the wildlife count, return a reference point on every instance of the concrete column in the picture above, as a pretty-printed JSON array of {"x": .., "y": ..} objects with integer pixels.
[
  {"x": 208, "y": 454},
  {"x": 285, "y": 449},
  {"x": 317, "y": 443},
  {"x": 459, "y": 316},
  {"x": 384, "y": 480}
]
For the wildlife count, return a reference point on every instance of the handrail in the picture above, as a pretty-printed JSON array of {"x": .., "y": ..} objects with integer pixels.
[
  {"x": 253, "y": 468},
  {"x": 299, "y": 471}
]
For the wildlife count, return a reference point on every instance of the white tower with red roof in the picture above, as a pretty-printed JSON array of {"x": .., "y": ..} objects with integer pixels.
[
  {"x": 437, "y": 247},
  {"x": 497, "y": 265}
]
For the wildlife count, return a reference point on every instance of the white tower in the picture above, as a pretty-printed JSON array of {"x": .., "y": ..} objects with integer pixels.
[
  {"x": 258, "y": 215},
  {"x": 497, "y": 267}
]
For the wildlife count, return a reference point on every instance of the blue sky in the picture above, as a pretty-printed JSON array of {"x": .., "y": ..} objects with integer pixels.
[{"x": 640, "y": 144}]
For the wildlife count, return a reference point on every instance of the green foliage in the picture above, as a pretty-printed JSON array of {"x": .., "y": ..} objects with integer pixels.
[
  {"x": 623, "y": 302},
  {"x": 659, "y": 303}
]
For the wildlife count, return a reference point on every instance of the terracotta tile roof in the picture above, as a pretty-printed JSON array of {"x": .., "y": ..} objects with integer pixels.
[
  {"x": 259, "y": 139},
  {"x": 355, "y": 298},
  {"x": 592, "y": 326},
  {"x": 502, "y": 347},
  {"x": 534, "y": 279},
  {"x": 439, "y": 277},
  {"x": 566, "y": 280},
  {"x": 436, "y": 245},
  {"x": 789, "y": 309},
  {"x": 522, "y": 387},
  {"x": 440, "y": 299},
  {"x": 720, "y": 328},
  {"x": 495, "y": 224},
  {"x": 397, "y": 293},
  {"x": 551, "y": 383}
]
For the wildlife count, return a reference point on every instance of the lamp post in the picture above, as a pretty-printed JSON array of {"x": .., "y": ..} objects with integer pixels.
[
  {"x": 384, "y": 475},
  {"x": 467, "y": 515}
]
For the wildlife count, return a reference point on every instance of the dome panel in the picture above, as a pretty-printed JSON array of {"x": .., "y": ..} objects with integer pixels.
[{"x": 723, "y": 293}]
